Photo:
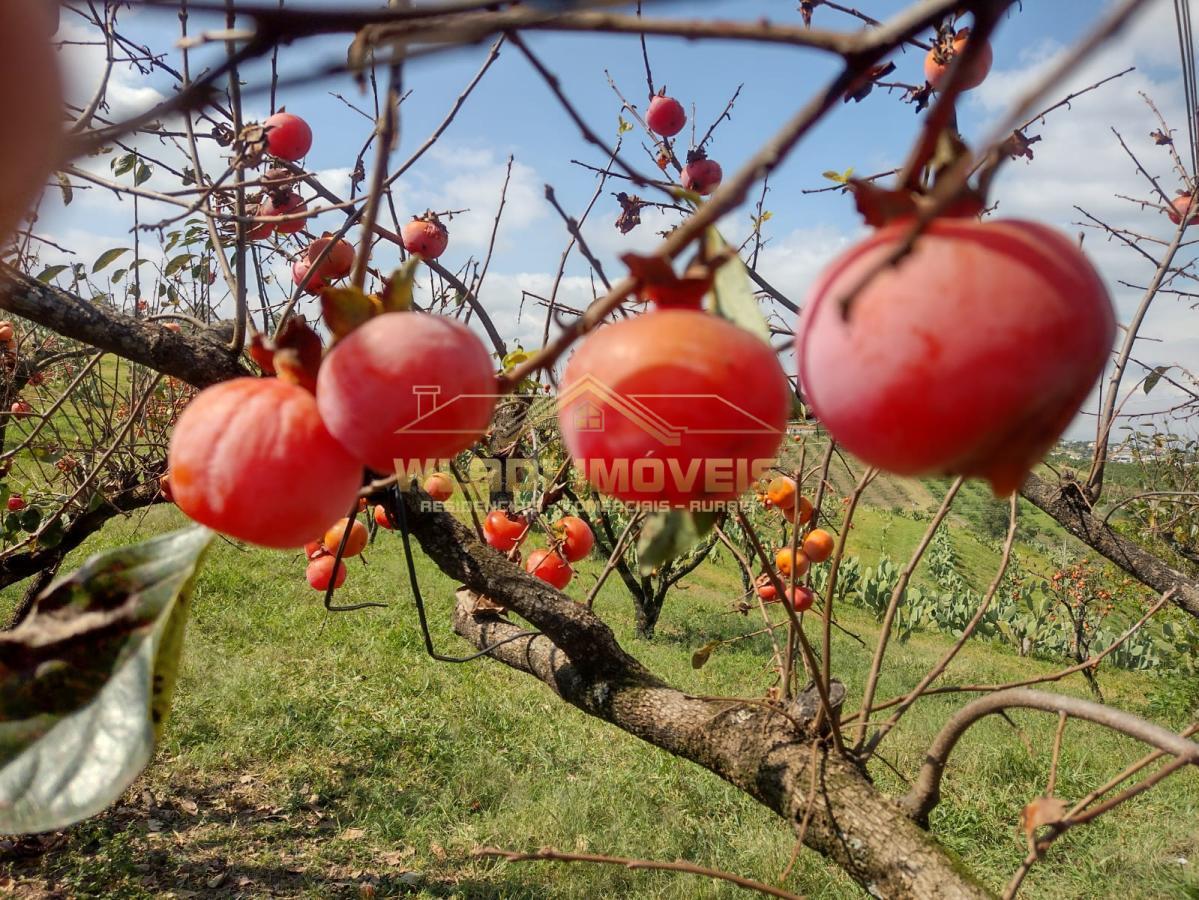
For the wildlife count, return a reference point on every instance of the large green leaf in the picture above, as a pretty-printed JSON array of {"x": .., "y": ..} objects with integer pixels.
[
  {"x": 731, "y": 290},
  {"x": 86, "y": 681}
]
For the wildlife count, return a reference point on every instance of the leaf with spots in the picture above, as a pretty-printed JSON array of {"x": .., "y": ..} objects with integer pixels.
[{"x": 86, "y": 681}]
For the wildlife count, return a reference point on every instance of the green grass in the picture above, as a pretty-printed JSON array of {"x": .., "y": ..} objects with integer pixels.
[{"x": 310, "y": 754}]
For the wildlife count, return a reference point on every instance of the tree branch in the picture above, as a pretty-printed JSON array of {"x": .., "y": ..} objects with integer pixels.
[
  {"x": 200, "y": 359},
  {"x": 926, "y": 792},
  {"x": 1068, "y": 508}
]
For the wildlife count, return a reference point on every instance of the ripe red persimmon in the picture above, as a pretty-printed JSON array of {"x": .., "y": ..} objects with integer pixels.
[
  {"x": 425, "y": 236},
  {"x": 31, "y": 97},
  {"x": 937, "y": 62},
  {"x": 673, "y": 405},
  {"x": 577, "y": 539},
  {"x": 6, "y": 332},
  {"x": 550, "y": 568},
  {"x": 16, "y": 503},
  {"x": 800, "y": 598},
  {"x": 315, "y": 549},
  {"x": 665, "y": 115},
  {"x": 502, "y": 530},
  {"x": 766, "y": 590},
  {"x": 320, "y": 572},
  {"x": 356, "y": 542},
  {"x": 701, "y": 174},
  {"x": 818, "y": 545},
  {"x": 299, "y": 268},
  {"x": 970, "y": 356},
  {"x": 20, "y": 409},
  {"x": 407, "y": 387},
  {"x": 439, "y": 486},
  {"x": 382, "y": 519},
  {"x": 251, "y": 458},
  {"x": 1180, "y": 208},
  {"x": 284, "y": 203},
  {"x": 287, "y": 136},
  {"x": 339, "y": 262}
]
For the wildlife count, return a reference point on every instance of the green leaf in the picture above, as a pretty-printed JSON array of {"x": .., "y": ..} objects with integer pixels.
[
  {"x": 143, "y": 174},
  {"x": 31, "y": 518},
  {"x": 107, "y": 258},
  {"x": 398, "y": 295},
  {"x": 668, "y": 535},
  {"x": 49, "y": 273},
  {"x": 87, "y": 681},
  {"x": 124, "y": 164},
  {"x": 623, "y": 127},
  {"x": 1154, "y": 377},
  {"x": 177, "y": 264},
  {"x": 731, "y": 291}
]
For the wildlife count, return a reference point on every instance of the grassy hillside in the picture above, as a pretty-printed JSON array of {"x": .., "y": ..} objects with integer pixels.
[{"x": 310, "y": 755}]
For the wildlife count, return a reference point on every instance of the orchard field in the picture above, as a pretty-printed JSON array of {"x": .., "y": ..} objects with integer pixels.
[{"x": 307, "y": 756}]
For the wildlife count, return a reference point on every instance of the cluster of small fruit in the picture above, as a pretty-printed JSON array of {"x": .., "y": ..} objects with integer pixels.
[
  {"x": 667, "y": 117},
  {"x": 815, "y": 547},
  {"x": 289, "y": 138},
  {"x": 572, "y": 541},
  {"x": 323, "y": 565}
]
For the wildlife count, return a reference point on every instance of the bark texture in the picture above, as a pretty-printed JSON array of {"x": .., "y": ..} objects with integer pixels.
[{"x": 200, "y": 359}]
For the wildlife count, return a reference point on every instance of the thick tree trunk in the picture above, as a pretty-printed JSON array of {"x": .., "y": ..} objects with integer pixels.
[{"x": 647, "y": 607}]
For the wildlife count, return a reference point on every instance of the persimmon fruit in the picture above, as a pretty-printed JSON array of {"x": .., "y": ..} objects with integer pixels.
[
  {"x": 425, "y": 236},
  {"x": 701, "y": 174},
  {"x": 251, "y": 458},
  {"x": 970, "y": 356},
  {"x": 937, "y": 63},
  {"x": 800, "y": 598},
  {"x": 320, "y": 572},
  {"x": 665, "y": 116},
  {"x": 337, "y": 264},
  {"x": 355, "y": 543},
  {"x": 287, "y": 136},
  {"x": 439, "y": 486},
  {"x": 549, "y": 567},
  {"x": 690, "y": 408},
  {"x": 382, "y": 519},
  {"x": 408, "y": 387},
  {"x": 1180, "y": 208},
  {"x": 781, "y": 492},
  {"x": 818, "y": 545},
  {"x": 576, "y": 536},
  {"x": 786, "y": 561},
  {"x": 502, "y": 530}
]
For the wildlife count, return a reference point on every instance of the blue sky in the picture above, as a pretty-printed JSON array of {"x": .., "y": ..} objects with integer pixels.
[{"x": 512, "y": 112}]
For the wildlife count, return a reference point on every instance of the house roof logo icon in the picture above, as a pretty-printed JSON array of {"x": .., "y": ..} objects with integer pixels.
[{"x": 646, "y": 411}]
